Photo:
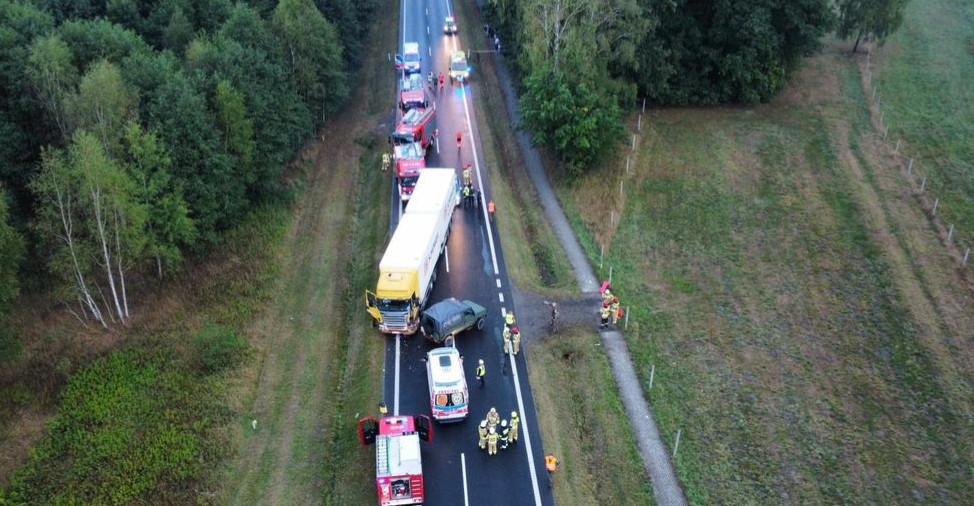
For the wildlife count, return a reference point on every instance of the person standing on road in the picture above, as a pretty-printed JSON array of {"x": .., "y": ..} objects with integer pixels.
[
  {"x": 505, "y": 433},
  {"x": 515, "y": 423},
  {"x": 492, "y": 438},
  {"x": 507, "y": 339},
  {"x": 493, "y": 418},
  {"x": 516, "y": 340},
  {"x": 467, "y": 179},
  {"x": 509, "y": 319},
  {"x": 482, "y": 431},
  {"x": 615, "y": 311},
  {"x": 481, "y": 372},
  {"x": 604, "y": 314},
  {"x": 554, "y": 316}
]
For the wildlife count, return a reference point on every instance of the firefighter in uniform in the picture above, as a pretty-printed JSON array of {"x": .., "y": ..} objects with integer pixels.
[
  {"x": 493, "y": 418},
  {"x": 604, "y": 314},
  {"x": 607, "y": 296},
  {"x": 466, "y": 175},
  {"x": 385, "y": 161},
  {"x": 515, "y": 423},
  {"x": 482, "y": 431},
  {"x": 509, "y": 319},
  {"x": 615, "y": 311},
  {"x": 466, "y": 195},
  {"x": 507, "y": 339},
  {"x": 516, "y": 340},
  {"x": 492, "y": 438},
  {"x": 505, "y": 435}
]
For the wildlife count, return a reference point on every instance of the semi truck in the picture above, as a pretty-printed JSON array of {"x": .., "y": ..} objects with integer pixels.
[
  {"x": 407, "y": 270},
  {"x": 398, "y": 463}
]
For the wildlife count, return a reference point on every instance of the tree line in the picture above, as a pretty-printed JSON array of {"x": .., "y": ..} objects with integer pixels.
[
  {"x": 580, "y": 60},
  {"x": 137, "y": 131}
]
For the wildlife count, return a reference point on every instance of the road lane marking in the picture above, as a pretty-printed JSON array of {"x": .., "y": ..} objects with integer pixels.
[
  {"x": 427, "y": 29},
  {"x": 490, "y": 239},
  {"x": 395, "y": 403},
  {"x": 430, "y": 50},
  {"x": 498, "y": 282},
  {"x": 500, "y": 296},
  {"x": 527, "y": 433},
  {"x": 503, "y": 311},
  {"x": 463, "y": 466},
  {"x": 446, "y": 256}
]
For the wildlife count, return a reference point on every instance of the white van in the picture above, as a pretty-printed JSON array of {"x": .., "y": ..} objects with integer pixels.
[
  {"x": 448, "y": 387},
  {"x": 410, "y": 57}
]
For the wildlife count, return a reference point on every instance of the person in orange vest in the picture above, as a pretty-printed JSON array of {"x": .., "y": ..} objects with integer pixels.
[
  {"x": 490, "y": 210},
  {"x": 551, "y": 464},
  {"x": 459, "y": 139}
]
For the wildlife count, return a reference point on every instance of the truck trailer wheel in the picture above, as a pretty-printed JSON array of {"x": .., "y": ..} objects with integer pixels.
[{"x": 480, "y": 324}]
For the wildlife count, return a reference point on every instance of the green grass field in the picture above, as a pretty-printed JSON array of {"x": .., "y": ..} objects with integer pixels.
[
  {"x": 924, "y": 75},
  {"x": 807, "y": 329}
]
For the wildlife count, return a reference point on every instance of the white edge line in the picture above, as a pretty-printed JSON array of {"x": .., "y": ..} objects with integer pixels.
[
  {"x": 527, "y": 434},
  {"x": 446, "y": 257},
  {"x": 490, "y": 239},
  {"x": 395, "y": 403},
  {"x": 463, "y": 466}
]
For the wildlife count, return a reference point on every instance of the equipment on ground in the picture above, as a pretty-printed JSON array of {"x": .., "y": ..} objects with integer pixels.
[
  {"x": 407, "y": 270},
  {"x": 398, "y": 464}
]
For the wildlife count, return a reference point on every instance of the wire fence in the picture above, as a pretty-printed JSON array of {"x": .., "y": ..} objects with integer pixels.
[{"x": 918, "y": 177}]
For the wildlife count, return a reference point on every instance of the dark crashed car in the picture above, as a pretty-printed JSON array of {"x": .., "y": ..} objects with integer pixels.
[{"x": 449, "y": 317}]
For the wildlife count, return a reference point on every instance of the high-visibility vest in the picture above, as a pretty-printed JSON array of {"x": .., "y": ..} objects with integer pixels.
[
  {"x": 490, "y": 207},
  {"x": 509, "y": 318},
  {"x": 606, "y": 312},
  {"x": 481, "y": 371},
  {"x": 551, "y": 463}
]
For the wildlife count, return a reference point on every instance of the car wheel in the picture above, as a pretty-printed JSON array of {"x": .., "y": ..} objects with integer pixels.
[{"x": 480, "y": 324}]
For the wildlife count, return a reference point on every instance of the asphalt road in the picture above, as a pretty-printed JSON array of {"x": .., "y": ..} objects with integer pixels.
[{"x": 456, "y": 471}]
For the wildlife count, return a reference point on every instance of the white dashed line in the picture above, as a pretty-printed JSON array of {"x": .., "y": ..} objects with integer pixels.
[
  {"x": 500, "y": 296},
  {"x": 498, "y": 282},
  {"x": 463, "y": 466},
  {"x": 503, "y": 311}
]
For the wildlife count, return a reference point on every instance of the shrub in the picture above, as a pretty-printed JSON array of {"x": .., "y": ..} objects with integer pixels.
[{"x": 218, "y": 348}]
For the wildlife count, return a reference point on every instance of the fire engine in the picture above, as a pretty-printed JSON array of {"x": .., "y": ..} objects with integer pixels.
[
  {"x": 416, "y": 126},
  {"x": 412, "y": 93},
  {"x": 398, "y": 464},
  {"x": 410, "y": 160}
]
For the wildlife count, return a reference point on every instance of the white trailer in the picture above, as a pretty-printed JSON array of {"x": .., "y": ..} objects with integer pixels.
[{"x": 407, "y": 270}]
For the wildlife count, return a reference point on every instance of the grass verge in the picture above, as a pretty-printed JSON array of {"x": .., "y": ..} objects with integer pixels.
[{"x": 584, "y": 424}]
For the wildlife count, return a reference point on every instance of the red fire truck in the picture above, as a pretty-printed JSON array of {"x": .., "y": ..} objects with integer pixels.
[
  {"x": 398, "y": 465},
  {"x": 416, "y": 126},
  {"x": 410, "y": 160},
  {"x": 412, "y": 93}
]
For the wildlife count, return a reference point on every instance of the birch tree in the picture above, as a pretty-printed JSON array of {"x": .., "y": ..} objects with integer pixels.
[
  {"x": 115, "y": 219},
  {"x": 103, "y": 104},
  {"x": 53, "y": 78},
  {"x": 56, "y": 190}
]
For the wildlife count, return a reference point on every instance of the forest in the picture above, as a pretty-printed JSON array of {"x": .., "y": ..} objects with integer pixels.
[
  {"x": 137, "y": 132},
  {"x": 583, "y": 63}
]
